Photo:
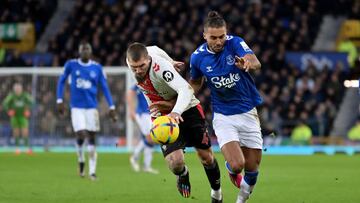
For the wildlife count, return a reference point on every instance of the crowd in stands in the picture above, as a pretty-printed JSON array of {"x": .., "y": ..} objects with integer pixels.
[{"x": 291, "y": 96}]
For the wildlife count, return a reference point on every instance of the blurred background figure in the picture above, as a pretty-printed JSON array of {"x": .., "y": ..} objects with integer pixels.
[
  {"x": 139, "y": 113},
  {"x": 18, "y": 104}
]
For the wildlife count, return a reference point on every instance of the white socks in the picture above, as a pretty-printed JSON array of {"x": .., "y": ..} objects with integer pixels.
[
  {"x": 245, "y": 191},
  {"x": 80, "y": 153},
  {"x": 216, "y": 194},
  {"x": 92, "y": 159},
  {"x": 148, "y": 156}
]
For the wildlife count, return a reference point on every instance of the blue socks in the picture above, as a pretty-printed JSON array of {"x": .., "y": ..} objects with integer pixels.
[{"x": 251, "y": 177}]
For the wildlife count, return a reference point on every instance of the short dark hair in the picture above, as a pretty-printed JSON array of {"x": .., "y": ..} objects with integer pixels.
[
  {"x": 214, "y": 20},
  {"x": 135, "y": 51}
]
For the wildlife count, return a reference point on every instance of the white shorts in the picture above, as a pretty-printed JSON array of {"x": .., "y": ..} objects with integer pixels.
[
  {"x": 143, "y": 121},
  {"x": 85, "y": 119},
  {"x": 243, "y": 128}
]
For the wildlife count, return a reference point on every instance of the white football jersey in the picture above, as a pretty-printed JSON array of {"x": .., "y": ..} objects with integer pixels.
[{"x": 163, "y": 83}]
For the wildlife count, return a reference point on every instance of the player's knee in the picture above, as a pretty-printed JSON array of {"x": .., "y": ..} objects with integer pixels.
[
  {"x": 206, "y": 158},
  {"x": 237, "y": 165},
  {"x": 176, "y": 162},
  {"x": 81, "y": 134}
]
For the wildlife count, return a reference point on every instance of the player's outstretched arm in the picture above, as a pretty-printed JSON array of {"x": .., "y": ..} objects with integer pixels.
[
  {"x": 130, "y": 99},
  {"x": 247, "y": 62}
]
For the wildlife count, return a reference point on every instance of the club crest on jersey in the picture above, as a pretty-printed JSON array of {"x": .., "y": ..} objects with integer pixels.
[
  {"x": 230, "y": 60},
  {"x": 227, "y": 82},
  {"x": 92, "y": 74},
  {"x": 168, "y": 76},
  {"x": 156, "y": 67}
]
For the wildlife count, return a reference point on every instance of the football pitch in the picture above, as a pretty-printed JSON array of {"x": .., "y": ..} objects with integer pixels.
[{"x": 52, "y": 177}]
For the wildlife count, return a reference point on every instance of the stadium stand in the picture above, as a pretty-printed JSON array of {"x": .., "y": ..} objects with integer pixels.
[{"x": 271, "y": 28}]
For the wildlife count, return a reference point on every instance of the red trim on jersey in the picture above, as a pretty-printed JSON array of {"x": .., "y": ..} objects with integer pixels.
[
  {"x": 156, "y": 67},
  {"x": 200, "y": 109},
  {"x": 151, "y": 93}
]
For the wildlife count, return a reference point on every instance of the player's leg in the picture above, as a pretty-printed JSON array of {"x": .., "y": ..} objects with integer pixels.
[
  {"x": 134, "y": 158},
  {"x": 92, "y": 155},
  {"x": 228, "y": 139},
  {"x": 92, "y": 126},
  {"x": 79, "y": 124},
  {"x": 24, "y": 123},
  {"x": 80, "y": 139},
  {"x": 212, "y": 171},
  {"x": 176, "y": 164},
  {"x": 253, "y": 158},
  {"x": 148, "y": 155},
  {"x": 251, "y": 144},
  {"x": 144, "y": 123},
  {"x": 15, "y": 133}
]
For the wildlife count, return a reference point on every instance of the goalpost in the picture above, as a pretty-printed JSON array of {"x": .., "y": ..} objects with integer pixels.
[{"x": 46, "y": 126}]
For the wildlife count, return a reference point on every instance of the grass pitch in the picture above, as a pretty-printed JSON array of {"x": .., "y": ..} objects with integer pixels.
[{"x": 52, "y": 177}]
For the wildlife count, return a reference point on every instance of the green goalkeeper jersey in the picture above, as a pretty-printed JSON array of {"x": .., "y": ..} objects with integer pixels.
[{"x": 18, "y": 103}]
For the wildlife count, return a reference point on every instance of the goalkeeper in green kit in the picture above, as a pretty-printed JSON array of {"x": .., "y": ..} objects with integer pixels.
[{"x": 17, "y": 104}]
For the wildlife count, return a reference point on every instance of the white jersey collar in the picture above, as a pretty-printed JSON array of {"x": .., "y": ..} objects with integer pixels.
[{"x": 84, "y": 64}]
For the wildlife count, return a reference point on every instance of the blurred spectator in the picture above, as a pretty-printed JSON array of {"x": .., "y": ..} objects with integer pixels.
[
  {"x": 349, "y": 47},
  {"x": 301, "y": 134},
  {"x": 15, "y": 60},
  {"x": 354, "y": 132}
]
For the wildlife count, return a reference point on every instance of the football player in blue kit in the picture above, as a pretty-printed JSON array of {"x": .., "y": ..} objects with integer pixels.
[
  {"x": 225, "y": 61},
  {"x": 140, "y": 114},
  {"x": 85, "y": 75}
]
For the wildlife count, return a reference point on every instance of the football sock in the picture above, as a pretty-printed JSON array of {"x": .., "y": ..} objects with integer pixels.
[
  {"x": 213, "y": 174},
  {"x": 138, "y": 148},
  {"x": 229, "y": 168},
  {"x": 81, "y": 165},
  {"x": 148, "y": 155},
  {"x": 80, "y": 153},
  {"x": 92, "y": 159},
  {"x": 251, "y": 177},
  {"x": 183, "y": 172}
]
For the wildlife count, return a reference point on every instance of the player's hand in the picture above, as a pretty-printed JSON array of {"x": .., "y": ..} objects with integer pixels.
[
  {"x": 11, "y": 113},
  {"x": 27, "y": 113},
  {"x": 61, "y": 108},
  {"x": 177, "y": 117},
  {"x": 157, "y": 107},
  {"x": 242, "y": 63},
  {"x": 112, "y": 114},
  {"x": 179, "y": 66}
]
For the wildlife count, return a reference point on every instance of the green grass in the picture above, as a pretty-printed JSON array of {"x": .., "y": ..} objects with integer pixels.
[{"x": 52, "y": 177}]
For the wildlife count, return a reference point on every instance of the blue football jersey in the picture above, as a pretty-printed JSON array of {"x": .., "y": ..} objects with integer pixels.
[
  {"x": 84, "y": 79},
  {"x": 142, "y": 105},
  {"x": 233, "y": 91}
]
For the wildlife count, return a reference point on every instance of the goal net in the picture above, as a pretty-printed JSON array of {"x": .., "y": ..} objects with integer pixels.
[{"x": 46, "y": 126}]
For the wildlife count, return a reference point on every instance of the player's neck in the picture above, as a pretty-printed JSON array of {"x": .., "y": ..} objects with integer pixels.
[{"x": 84, "y": 60}]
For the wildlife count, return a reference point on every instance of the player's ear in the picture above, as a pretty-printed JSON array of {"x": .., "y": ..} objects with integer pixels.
[{"x": 204, "y": 35}]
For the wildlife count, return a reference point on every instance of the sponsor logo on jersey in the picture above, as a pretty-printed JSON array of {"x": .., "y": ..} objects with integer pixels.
[
  {"x": 245, "y": 46},
  {"x": 156, "y": 67},
  {"x": 92, "y": 74},
  {"x": 227, "y": 82},
  {"x": 83, "y": 83},
  {"x": 168, "y": 76},
  {"x": 230, "y": 60}
]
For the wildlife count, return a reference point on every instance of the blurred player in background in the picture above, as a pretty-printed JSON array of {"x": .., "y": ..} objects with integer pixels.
[
  {"x": 141, "y": 116},
  {"x": 18, "y": 104},
  {"x": 159, "y": 81},
  {"x": 85, "y": 77},
  {"x": 225, "y": 61}
]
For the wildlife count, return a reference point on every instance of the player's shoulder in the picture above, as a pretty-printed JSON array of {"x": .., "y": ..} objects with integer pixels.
[
  {"x": 234, "y": 39},
  {"x": 71, "y": 62}
]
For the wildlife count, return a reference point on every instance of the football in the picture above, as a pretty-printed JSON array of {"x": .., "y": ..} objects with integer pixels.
[{"x": 164, "y": 130}]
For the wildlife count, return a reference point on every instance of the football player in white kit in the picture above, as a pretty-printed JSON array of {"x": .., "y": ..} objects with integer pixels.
[
  {"x": 159, "y": 81},
  {"x": 85, "y": 75}
]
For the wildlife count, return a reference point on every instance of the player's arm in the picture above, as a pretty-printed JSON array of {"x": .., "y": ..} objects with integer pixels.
[
  {"x": 248, "y": 62},
  {"x": 107, "y": 94},
  {"x": 6, "y": 104},
  {"x": 197, "y": 77},
  {"x": 60, "y": 88},
  {"x": 29, "y": 102},
  {"x": 245, "y": 59},
  {"x": 179, "y": 84},
  {"x": 130, "y": 99}
]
